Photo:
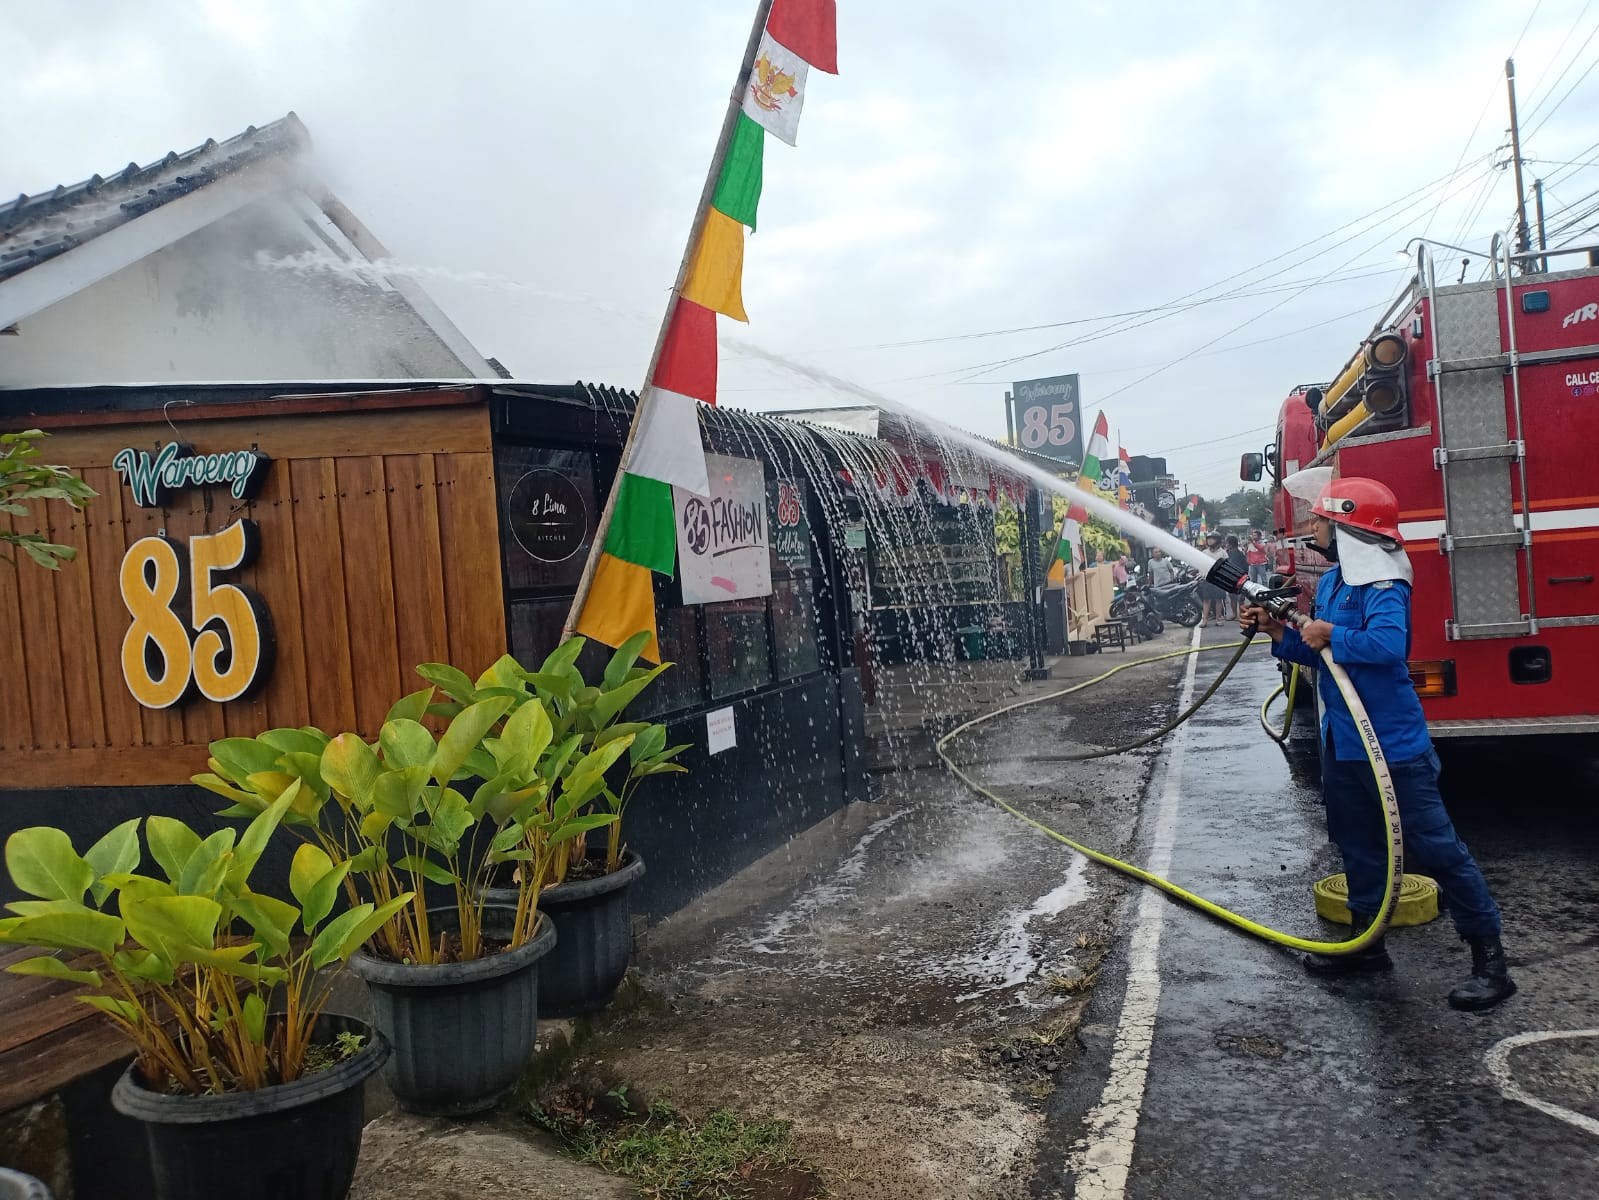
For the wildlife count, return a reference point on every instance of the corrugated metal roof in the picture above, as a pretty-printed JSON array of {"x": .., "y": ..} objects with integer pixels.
[{"x": 34, "y": 228}]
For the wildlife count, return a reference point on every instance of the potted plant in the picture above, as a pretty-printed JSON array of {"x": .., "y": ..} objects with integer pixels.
[
  {"x": 455, "y": 985},
  {"x": 588, "y": 897},
  {"x": 242, "y": 1081}
]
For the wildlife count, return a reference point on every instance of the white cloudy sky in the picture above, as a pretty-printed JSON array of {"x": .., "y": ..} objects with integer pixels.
[{"x": 977, "y": 167}]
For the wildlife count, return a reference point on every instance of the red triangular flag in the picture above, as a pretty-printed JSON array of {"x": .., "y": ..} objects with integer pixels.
[
  {"x": 809, "y": 28},
  {"x": 688, "y": 357}
]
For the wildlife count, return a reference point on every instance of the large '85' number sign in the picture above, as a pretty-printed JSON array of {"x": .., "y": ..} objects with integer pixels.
[{"x": 170, "y": 591}]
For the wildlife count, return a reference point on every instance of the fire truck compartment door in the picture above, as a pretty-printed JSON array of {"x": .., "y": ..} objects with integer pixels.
[{"x": 1484, "y": 574}]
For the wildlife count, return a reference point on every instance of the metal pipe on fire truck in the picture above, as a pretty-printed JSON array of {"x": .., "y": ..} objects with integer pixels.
[{"x": 1372, "y": 385}]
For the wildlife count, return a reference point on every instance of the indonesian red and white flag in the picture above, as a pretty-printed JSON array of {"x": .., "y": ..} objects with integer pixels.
[{"x": 776, "y": 90}]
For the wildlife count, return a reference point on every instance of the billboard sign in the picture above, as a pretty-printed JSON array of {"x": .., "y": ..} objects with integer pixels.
[{"x": 1049, "y": 417}]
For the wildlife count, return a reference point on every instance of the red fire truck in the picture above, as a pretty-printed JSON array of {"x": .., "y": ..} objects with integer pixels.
[{"x": 1478, "y": 404}]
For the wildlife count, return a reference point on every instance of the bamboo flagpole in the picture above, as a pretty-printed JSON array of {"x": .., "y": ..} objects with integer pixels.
[{"x": 734, "y": 105}]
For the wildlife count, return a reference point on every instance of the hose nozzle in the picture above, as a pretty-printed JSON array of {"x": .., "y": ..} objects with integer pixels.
[
  {"x": 1279, "y": 602},
  {"x": 1225, "y": 576}
]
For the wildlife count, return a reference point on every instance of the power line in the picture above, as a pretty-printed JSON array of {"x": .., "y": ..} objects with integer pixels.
[
  {"x": 1556, "y": 162},
  {"x": 1401, "y": 204},
  {"x": 1096, "y": 372},
  {"x": 1564, "y": 71},
  {"x": 1183, "y": 358},
  {"x": 1565, "y": 38},
  {"x": 1276, "y": 337},
  {"x": 1231, "y": 437},
  {"x": 1475, "y": 208},
  {"x": 1580, "y": 164},
  {"x": 1572, "y": 88},
  {"x": 1483, "y": 112},
  {"x": 1472, "y": 207},
  {"x": 1286, "y": 285}
]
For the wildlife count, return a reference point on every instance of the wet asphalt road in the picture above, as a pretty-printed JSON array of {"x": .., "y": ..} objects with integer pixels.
[{"x": 1260, "y": 1081}]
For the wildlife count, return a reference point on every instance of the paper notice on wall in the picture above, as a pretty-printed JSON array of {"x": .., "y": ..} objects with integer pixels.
[{"x": 719, "y": 731}]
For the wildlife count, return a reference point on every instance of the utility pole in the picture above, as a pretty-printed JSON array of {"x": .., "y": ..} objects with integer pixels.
[
  {"x": 1523, "y": 239},
  {"x": 1537, "y": 192}
]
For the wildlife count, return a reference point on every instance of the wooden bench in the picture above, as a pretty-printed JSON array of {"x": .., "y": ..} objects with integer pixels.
[{"x": 48, "y": 1038}]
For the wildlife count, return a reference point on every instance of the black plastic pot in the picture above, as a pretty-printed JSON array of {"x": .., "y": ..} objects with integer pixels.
[
  {"x": 595, "y": 921},
  {"x": 298, "y": 1139},
  {"x": 462, "y": 1032}
]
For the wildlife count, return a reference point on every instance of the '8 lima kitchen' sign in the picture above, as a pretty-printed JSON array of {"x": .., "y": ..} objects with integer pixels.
[{"x": 192, "y": 634}]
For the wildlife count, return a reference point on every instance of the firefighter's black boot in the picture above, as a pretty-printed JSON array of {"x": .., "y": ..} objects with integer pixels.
[
  {"x": 1369, "y": 961},
  {"x": 1489, "y": 982}
]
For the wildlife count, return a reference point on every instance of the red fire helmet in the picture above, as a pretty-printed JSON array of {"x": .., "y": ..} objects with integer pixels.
[{"x": 1363, "y": 504}]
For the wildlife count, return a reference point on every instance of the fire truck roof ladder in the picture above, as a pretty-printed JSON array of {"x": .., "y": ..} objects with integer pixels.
[{"x": 1485, "y": 527}]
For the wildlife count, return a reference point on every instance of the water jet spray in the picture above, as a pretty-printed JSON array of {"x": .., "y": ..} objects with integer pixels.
[{"x": 1123, "y": 520}]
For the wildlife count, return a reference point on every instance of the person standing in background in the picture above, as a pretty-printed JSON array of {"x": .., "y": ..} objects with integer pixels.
[
  {"x": 1215, "y": 599},
  {"x": 1258, "y": 555},
  {"x": 1240, "y": 563},
  {"x": 1160, "y": 568}
]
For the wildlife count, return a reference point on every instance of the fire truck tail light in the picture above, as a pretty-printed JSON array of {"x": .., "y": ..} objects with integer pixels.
[{"x": 1433, "y": 677}]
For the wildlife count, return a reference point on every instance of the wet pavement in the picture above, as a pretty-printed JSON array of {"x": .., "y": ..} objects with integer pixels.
[
  {"x": 904, "y": 982},
  {"x": 1254, "y": 1080},
  {"x": 947, "y": 1004}
]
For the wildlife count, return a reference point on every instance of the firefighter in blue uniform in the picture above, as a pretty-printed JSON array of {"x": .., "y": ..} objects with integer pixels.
[{"x": 1363, "y": 611}]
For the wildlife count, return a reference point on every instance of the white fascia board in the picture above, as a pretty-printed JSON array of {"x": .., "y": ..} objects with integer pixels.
[
  {"x": 65, "y": 275},
  {"x": 421, "y": 303},
  {"x": 322, "y": 232}
]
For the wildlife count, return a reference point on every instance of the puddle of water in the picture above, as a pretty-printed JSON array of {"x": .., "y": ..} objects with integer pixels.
[
  {"x": 1010, "y": 959},
  {"x": 828, "y": 894},
  {"x": 1007, "y": 952}
]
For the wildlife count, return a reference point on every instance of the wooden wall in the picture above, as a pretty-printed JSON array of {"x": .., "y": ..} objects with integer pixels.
[{"x": 379, "y": 550}]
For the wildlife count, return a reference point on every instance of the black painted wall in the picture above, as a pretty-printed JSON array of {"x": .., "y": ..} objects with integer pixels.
[{"x": 798, "y": 758}]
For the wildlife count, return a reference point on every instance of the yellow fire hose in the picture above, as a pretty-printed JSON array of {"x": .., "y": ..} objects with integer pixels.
[
  {"x": 1292, "y": 687},
  {"x": 1374, "y": 756}
]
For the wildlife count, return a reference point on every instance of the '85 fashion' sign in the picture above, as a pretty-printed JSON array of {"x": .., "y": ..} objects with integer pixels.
[{"x": 723, "y": 539}]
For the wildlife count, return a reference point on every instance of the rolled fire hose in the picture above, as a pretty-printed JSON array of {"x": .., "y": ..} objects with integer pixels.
[{"x": 1374, "y": 756}]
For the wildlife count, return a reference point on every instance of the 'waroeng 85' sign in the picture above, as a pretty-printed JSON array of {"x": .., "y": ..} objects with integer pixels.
[
  {"x": 193, "y": 632},
  {"x": 1048, "y": 416}
]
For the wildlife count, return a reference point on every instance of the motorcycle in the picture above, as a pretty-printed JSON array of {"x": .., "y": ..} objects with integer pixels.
[
  {"x": 1132, "y": 605},
  {"x": 1178, "y": 601}
]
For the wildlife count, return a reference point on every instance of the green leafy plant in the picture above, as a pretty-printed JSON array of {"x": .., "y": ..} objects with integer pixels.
[
  {"x": 185, "y": 963},
  {"x": 24, "y": 478},
  {"x": 390, "y": 811},
  {"x": 539, "y": 752},
  {"x": 584, "y": 717}
]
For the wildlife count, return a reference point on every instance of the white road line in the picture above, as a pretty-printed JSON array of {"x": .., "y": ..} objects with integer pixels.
[
  {"x": 1104, "y": 1156},
  {"x": 1498, "y": 1060}
]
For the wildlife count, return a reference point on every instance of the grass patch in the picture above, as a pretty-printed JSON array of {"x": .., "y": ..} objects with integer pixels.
[
  {"x": 1053, "y": 1034},
  {"x": 1072, "y": 985},
  {"x": 669, "y": 1154}
]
